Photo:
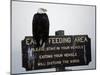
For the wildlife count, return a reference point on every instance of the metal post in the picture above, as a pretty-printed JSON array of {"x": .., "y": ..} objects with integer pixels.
[{"x": 60, "y": 33}]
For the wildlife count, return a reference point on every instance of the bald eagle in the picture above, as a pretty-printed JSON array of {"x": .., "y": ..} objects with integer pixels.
[{"x": 40, "y": 27}]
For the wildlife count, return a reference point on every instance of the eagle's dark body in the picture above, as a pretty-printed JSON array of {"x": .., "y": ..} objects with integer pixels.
[{"x": 40, "y": 28}]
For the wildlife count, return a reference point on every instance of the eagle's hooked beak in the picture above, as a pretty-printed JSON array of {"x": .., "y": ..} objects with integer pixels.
[{"x": 45, "y": 10}]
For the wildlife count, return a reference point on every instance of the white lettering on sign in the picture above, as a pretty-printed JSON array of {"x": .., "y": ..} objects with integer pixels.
[
  {"x": 81, "y": 39},
  {"x": 60, "y": 40},
  {"x": 45, "y": 56}
]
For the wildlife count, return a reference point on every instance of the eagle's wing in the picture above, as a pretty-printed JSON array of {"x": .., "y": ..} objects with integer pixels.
[{"x": 34, "y": 25}]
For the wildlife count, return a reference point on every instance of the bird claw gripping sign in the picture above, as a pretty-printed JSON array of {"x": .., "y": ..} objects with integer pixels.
[{"x": 59, "y": 51}]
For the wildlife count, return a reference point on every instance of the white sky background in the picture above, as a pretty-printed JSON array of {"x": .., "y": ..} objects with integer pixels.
[{"x": 73, "y": 19}]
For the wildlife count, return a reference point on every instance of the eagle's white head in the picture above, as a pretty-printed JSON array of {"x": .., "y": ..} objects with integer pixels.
[{"x": 41, "y": 10}]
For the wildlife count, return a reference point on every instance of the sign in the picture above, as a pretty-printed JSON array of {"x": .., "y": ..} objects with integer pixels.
[{"x": 60, "y": 51}]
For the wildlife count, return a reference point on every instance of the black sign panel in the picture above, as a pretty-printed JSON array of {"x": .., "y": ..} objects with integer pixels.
[{"x": 60, "y": 51}]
